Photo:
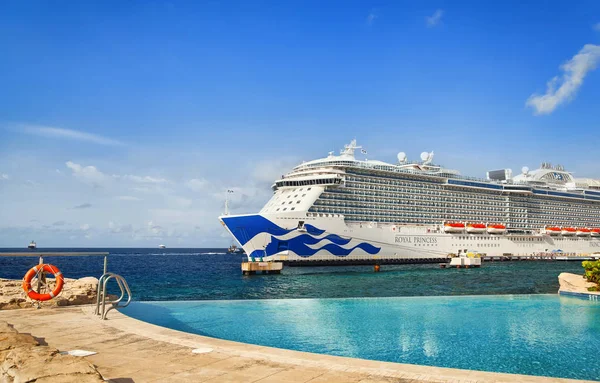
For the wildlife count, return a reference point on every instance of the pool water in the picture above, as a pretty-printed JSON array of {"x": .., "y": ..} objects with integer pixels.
[{"x": 545, "y": 335}]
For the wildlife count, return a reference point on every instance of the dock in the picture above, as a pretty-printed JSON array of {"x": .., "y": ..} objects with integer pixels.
[
  {"x": 363, "y": 262},
  {"x": 251, "y": 268}
]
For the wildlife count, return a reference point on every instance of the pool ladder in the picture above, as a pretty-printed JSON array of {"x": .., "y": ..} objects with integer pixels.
[{"x": 102, "y": 296}]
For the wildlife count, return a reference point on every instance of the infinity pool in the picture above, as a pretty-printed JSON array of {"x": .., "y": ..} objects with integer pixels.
[{"x": 543, "y": 335}]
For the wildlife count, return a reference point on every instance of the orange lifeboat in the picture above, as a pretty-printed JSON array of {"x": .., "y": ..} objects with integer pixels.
[
  {"x": 476, "y": 228},
  {"x": 496, "y": 229},
  {"x": 595, "y": 232},
  {"x": 454, "y": 227},
  {"x": 568, "y": 231},
  {"x": 552, "y": 230},
  {"x": 583, "y": 232}
]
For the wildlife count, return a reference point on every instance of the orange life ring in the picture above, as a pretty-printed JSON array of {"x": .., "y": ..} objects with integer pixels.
[{"x": 60, "y": 281}]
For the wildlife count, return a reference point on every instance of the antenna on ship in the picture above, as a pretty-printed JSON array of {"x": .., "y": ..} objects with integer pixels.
[
  {"x": 350, "y": 148},
  {"x": 227, "y": 201}
]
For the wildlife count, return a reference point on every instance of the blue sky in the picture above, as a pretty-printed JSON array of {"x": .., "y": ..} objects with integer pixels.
[{"x": 122, "y": 123}]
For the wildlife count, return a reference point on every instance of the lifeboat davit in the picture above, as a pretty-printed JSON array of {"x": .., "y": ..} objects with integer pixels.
[
  {"x": 476, "y": 228},
  {"x": 454, "y": 227},
  {"x": 583, "y": 232},
  {"x": 496, "y": 229},
  {"x": 595, "y": 232},
  {"x": 568, "y": 231},
  {"x": 552, "y": 230}
]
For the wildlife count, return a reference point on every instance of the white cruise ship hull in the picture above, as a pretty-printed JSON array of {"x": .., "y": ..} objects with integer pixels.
[{"x": 295, "y": 238}]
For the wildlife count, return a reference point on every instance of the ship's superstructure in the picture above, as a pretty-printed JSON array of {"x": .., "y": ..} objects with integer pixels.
[{"x": 341, "y": 208}]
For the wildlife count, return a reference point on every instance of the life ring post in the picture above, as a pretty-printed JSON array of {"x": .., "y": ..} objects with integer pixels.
[
  {"x": 39, "y": 272},
  {"x": 39, "y": 281}
]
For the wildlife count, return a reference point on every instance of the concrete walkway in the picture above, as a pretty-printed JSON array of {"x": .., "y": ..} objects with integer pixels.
[{"x": 133, "y": 351}]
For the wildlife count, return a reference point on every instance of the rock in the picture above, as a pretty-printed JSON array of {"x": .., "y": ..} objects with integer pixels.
[
  {"x": 75, "y": 292},
  {"x": 7, "y": 328},
  {"x": 25, "y": 360},
  {"x": 574, "y": 283}
]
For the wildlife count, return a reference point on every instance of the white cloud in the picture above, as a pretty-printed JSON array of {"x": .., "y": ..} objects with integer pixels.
[
  {"x": 52, "y": 132},
  {"x": 434, "y": 19},
  {"x": 198, "y": 185},
  {"x": 562, "y": 89},
  {"x": 142, "y": 179},
  {"x": 93, "y": 175},
  {"x": 267, "y": 172},
  {"x": 85, "y": 227},
  {"x": 86, "y": 205},
  {"x": 371, "y": 18},
  {"x": 127, "y": 198},
  {"x": 86, "y": 173},
  {"x": 596, "y": 27},
  {"x": 155, "y": 229},
  {"x": 117, "y": 228},
  {"x": 4, "y": 177}
]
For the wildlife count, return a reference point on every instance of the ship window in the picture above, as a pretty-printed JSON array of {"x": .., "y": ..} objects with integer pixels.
[
  {"x": 297, "y": 201},
  {"x": 285, "y": 208},
  {"x": 308, "y": 188},
  {"x": 277, "y": 209},
  {"x": 296, "y": 196},
  {"x": 293, "y": 208}
]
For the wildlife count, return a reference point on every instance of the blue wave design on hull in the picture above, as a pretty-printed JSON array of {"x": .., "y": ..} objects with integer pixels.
[
  {"x": 310, "y": 240},
  {"x": 244, "y": 228},
  {"x": 313, "y": 230}
]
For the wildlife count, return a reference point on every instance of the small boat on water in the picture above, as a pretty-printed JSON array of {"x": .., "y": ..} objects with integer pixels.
[
  {"x": 162, "y": 246},
  {"x": 233, "y": 249},
  {"x": 32, "y": 245}
]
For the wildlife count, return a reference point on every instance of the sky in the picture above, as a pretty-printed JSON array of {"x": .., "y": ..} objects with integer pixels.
[{"x": 122, "y": 124}]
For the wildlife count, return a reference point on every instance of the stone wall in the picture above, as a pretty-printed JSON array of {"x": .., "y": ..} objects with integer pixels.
[
  {"x": 23, "y": 359},
  {"x": 75, "y": 292}
]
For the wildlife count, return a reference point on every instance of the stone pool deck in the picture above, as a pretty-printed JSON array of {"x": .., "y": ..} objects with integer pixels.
[{"x": 129, "y": 350}]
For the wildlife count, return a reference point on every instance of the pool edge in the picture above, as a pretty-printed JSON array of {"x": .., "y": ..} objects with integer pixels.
[{"x": 128, "y": 324}]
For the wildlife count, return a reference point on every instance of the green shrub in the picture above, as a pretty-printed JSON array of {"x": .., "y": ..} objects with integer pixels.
[{"x": 592, "y": 273}]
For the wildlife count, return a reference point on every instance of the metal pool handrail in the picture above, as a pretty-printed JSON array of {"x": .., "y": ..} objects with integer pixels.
[{"x": 101, "y": 294}]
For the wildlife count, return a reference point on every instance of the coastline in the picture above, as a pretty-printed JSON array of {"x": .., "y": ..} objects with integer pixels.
[{"x": 126, "y": 346}]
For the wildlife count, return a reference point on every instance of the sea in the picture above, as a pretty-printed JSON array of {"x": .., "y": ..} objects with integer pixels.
[{"x": 213, "y": 274}]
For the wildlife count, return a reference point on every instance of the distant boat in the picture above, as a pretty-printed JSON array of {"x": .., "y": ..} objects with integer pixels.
[
  {"x": 233, "y": 249},
  {"x": 162, "y": 247},
  {"x": 32, "y": 245}
]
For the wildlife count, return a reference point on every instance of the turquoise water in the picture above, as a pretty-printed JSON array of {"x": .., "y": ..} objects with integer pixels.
[{"x": 543, "y": 335}]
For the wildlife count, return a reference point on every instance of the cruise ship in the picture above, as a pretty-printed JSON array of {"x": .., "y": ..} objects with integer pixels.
[{"x": 344, "y": 210}]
